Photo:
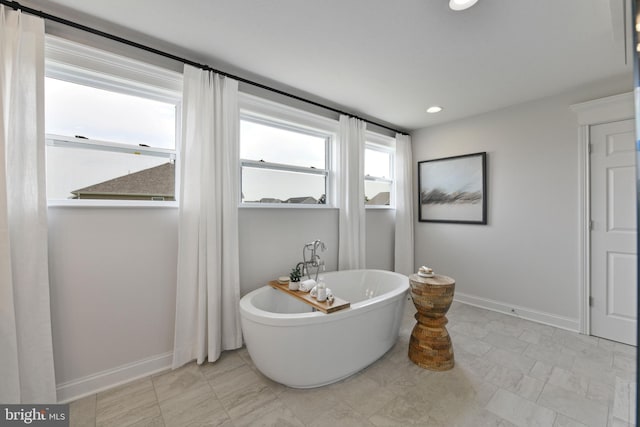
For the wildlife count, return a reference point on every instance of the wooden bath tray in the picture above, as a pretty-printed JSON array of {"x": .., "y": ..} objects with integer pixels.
[{"x": 325, "y": 307}]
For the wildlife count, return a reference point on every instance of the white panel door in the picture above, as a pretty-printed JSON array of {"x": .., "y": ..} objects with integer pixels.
[{"x": 613, "y": 235}]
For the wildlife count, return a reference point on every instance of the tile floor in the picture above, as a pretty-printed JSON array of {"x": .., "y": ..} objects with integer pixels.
[{"x": 509, "y": 372}]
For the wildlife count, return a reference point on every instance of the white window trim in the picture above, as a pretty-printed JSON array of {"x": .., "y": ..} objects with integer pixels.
[
  {"x": 92, "y": 144},
  {"x": 260, "y": 110},
  {"x": 387, "y": 144},
  {"x": 257, "y": 164},
  {"x": 86, "y": 203},
  {"x": 77, "y": 63},
  {"x": 80, "y": 64}
]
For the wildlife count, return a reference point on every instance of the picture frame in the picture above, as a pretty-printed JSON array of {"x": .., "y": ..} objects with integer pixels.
[{"x": 453, "y": 189}]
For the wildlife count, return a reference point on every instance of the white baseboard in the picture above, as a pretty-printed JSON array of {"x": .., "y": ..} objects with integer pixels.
[
  {"x": 110, "y": 378},
  {"x": 521, "y": 312}
]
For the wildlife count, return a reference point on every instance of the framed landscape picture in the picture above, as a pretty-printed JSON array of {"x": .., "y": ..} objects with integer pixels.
[{"x": 453, "y": 189}]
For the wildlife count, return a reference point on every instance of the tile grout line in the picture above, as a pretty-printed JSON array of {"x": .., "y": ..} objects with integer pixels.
[{"x": 155, "y": 392}]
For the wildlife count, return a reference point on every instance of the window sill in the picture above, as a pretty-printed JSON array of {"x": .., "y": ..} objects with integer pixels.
[
  {"x": 111, "y": 204},
  {"x": 174, "y": 204},
  {"x": 379, "y": 207}
]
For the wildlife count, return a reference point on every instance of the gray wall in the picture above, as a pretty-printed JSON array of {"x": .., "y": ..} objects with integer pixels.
[
  {"x": 527, "y": 256},
  {"x": 271, "y": 241},
  {"x": 113, "y": 280}
]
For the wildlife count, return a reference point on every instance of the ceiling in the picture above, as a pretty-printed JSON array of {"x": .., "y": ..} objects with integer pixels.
[{"x": 381, "y": 59}]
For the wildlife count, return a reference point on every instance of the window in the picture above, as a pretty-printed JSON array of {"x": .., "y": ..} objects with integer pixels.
[
  {"x": 111, "y": 126},
  {"x": 378, "y": 170},
  {"x": 284, "y": 160}
]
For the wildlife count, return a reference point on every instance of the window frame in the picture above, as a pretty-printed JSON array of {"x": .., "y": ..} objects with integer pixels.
[
  {"x": 269, "y": 113},
  {"x": 386, "y": 144},
  {"x": 80, "y": 64}
]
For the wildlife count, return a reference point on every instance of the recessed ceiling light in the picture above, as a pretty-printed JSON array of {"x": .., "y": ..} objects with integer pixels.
[
  {"x": 434, "y": 109},
  {"x": 461, "y": 4}
]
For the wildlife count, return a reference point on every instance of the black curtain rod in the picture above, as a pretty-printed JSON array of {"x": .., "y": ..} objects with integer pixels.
[{"x": 17, "y": 6}]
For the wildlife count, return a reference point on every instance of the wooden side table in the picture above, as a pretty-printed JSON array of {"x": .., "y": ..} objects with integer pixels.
[{"x": 430, "y": 344}]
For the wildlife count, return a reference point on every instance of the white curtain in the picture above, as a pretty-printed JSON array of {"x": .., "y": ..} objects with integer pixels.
[
  {"x": 26, "y": 353},
  {"x": 404, "y": 206},
  {"x": 352, "y": 242},
  {"x": 208, "y": 293}
]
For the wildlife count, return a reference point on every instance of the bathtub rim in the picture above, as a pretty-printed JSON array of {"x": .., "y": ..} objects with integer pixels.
[{"x": 250, "y": 312}]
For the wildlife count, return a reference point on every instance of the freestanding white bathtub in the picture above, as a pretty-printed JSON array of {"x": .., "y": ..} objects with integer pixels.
[{"x": 301, "y": 348}]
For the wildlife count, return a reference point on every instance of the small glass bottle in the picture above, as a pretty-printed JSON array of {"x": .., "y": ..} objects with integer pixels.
[{"x": 322, "y": 291}]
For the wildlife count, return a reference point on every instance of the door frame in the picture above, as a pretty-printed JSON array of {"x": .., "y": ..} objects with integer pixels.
[{"x": 604, "y": 110}]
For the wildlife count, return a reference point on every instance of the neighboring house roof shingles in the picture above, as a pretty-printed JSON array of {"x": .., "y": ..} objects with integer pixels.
[
  {"x": 158, "y": 181},
  {"x": 382, "y": 198}
]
